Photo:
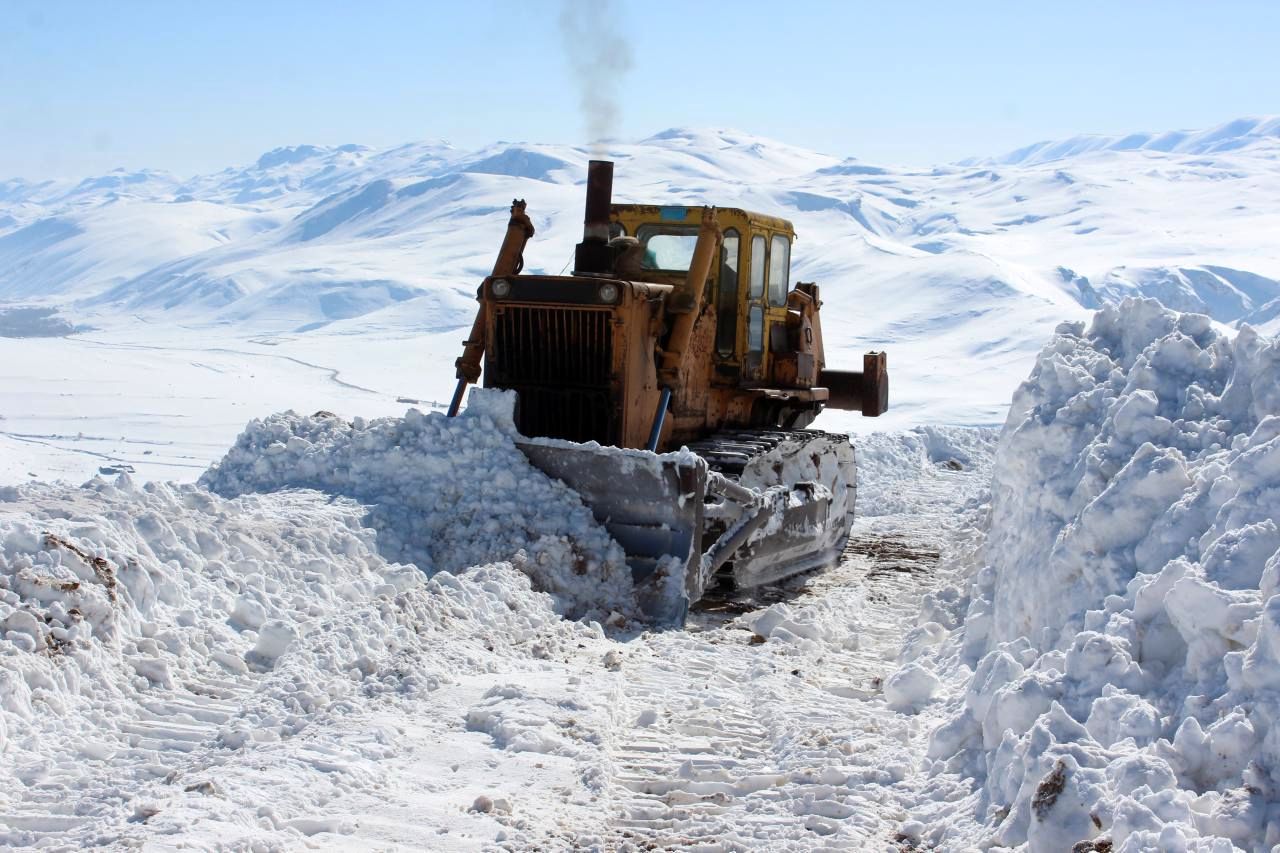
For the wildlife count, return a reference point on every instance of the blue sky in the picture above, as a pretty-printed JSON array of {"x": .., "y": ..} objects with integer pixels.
[{"x": 190, "y": 87}]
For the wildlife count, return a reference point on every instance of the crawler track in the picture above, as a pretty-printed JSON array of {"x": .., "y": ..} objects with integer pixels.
[
  {"x": 811, "y": 533},
  {"x": 735, "y": 452}
]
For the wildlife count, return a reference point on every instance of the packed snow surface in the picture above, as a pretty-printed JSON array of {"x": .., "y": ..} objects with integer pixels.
[{"x": 1117, "y": 675}]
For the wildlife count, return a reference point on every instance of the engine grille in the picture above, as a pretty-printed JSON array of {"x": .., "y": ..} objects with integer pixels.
[{"x": 560, "y": 361}]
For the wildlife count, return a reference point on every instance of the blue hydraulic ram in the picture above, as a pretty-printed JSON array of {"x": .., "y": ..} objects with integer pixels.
[{"x": 658, "y": 418}]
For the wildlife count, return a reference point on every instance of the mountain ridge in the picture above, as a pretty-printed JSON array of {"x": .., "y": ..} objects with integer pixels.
[
  {"x": 962, "y": 271},
  {"x": 1228, "y": 136}
]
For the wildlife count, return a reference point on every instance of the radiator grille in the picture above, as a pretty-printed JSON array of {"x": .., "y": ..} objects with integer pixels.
[{"x": 560, "y": 361}]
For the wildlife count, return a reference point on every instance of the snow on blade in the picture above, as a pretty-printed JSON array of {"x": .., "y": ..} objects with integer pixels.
[
  {"x": 1124, "y": 634},
  {"x": 443, "y": 494}
]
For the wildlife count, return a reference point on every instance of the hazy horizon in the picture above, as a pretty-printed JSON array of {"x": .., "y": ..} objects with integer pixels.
[{"x": 87, "y": 89}]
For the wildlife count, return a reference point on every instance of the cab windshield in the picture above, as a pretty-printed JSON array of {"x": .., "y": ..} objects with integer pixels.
[{"x": 667, "y": 248}]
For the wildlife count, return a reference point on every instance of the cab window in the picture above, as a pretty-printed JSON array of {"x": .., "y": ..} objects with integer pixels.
[
  {"x": 727, "y": 298},
  {"x": 779, "y": 267},
  {"x": 756, "y": 288},
  {"x": 755, "y": 329},
  {"x": 668, "y": 248}
]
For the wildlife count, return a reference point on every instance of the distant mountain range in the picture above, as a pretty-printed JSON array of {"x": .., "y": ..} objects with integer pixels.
[
  {"x": 1255, "y": 132},
  {"x": 971, "y": 262}
]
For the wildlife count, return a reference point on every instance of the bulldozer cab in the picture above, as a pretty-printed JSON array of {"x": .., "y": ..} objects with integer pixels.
[
  {"x": 749, "y": 282},
  {"x": 676, "y": 322}
]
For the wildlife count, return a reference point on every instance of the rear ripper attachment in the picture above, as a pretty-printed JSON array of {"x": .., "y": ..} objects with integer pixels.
[{"x": 679, "y": 330}]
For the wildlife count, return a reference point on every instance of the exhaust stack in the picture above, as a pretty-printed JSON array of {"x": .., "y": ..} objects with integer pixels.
[{"x": 593, "y": 256}]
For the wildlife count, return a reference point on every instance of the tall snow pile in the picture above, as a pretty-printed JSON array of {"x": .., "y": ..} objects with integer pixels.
[
  {"x": 1125, "y": 631},
  {"x": 154, "y": 639},
  {"x": 443, "y": 494}
]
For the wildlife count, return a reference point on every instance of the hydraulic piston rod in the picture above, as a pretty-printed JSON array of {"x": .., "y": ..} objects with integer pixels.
[{"x": 510, "y": 261}]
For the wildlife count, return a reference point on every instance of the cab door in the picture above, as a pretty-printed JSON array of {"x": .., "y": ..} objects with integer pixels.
[{"x": 768, "y": 278}]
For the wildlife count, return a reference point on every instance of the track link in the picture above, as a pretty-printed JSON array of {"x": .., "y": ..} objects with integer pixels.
[
  {"x": 732, "y": 452},
  {"x": 819, "y": 468}
]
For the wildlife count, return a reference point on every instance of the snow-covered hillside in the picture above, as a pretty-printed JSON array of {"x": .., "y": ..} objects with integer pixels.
[{"x": 342, "y": 278}]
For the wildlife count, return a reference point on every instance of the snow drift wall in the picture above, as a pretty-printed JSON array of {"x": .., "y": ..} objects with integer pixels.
[
  {"x": 443, "y": 494},
  {"x": 1126, "y": 630}
]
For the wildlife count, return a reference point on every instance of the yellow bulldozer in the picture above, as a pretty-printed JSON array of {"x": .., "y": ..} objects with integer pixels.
[{"x": 679, "y": 339}]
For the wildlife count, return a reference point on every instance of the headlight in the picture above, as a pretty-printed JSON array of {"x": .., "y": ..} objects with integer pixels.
[
  {"x": 501, "y": 288},
  {"x": 608, "y": 293}
]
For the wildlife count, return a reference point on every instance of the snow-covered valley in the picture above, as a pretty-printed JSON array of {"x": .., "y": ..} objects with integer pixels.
[
  {"x": 344, "y": 278},
  {"x": 1054, "y": 626}
]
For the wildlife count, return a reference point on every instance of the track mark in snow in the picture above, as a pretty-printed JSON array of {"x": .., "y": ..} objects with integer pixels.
[
  {"x": 167, "y": 743},
  {"x": 67, "y": 443},
  {"x": 734, "y": 741},
  {"x": 334, "y": 373}
]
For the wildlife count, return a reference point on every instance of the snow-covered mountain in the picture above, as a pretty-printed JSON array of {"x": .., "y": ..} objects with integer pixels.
[
  {"x": 959, "y": 271},
  {"x": 307, "y": 235},
  {"x": 1250, "y": 132}
]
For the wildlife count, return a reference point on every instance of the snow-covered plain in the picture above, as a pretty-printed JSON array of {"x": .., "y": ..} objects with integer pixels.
[
  {"x": 343, "y": 278},
  {"x": 366, "y": 629}
]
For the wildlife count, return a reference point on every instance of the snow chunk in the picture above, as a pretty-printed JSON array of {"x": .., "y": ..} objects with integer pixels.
[
  {"x": 910, "y": 688},
  {"x": 443, "y": 493}
]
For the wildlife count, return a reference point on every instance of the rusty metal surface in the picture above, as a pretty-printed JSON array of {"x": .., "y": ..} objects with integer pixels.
[
  {"x": 553, "y": 345},
  {"x": 593, "y": 255},
  {"x": 560, "y": 360},
  {"x": 509, "y": 262},
  {"x": 599, "y": 199},
  {"x": 875, "y": 373},
  {"x": 694, "y": 288},
  {"x": 866, "y": 391},
  {"x": 574, "y": 290}
]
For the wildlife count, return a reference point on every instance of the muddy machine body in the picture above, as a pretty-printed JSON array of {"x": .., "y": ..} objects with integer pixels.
[{"x": 680, "y": 337}]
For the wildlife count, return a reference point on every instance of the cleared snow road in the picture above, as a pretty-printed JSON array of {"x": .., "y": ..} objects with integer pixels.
[
  {"x": 259, "y": 677},
  {"x": 770, "y": 729},
  {"x": 739, "y": 743}
]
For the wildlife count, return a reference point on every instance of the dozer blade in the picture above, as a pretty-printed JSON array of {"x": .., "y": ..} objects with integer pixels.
[{"x": 652, "y": 505}]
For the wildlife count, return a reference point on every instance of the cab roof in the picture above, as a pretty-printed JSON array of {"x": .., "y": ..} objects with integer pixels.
[{"x": 633, "y": 215}]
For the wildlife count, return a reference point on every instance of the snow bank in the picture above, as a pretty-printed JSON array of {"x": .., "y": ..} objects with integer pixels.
[
  {"x": 889, "y": 461},
  {"x": 1126, "y": 631},
  {"x": 150, "y": 634},
  {"x": 443, "y": 494}
]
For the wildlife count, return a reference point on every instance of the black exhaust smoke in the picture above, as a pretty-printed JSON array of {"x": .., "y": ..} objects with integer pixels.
[{"x": 593, "y": 255}]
